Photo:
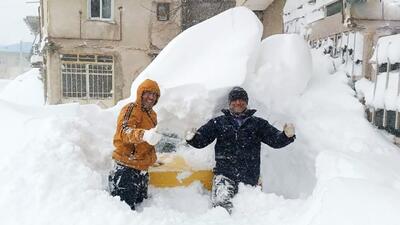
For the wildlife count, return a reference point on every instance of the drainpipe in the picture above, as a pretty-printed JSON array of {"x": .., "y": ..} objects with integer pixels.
[
  {"x": 80, "y": 24},
  {"x": 120, "y": 23}
]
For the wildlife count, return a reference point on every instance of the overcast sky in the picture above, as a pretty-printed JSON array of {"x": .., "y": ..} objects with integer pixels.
[{"x": 13, "y": 28}]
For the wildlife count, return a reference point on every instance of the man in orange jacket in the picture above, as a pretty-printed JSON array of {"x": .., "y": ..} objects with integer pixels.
[{"x": 134, "y": 142}]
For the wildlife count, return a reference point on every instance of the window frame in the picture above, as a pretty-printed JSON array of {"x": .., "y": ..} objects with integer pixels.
[
  {"x": 100, "y": 18},
  {"x": 329, "y": 9},
  {"x": 168, "y": 6}
]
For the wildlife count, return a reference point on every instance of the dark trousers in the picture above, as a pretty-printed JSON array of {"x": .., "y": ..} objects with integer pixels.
[
  {"x": 223, "y": 190},
  {"x": 129, "y": 184}
]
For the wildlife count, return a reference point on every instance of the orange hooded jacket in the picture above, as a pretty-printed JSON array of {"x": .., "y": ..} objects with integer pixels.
[{"x": 131, "y": 150}]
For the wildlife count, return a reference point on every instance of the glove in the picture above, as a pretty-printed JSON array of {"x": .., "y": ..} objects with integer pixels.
[
  {"x": 151, "y": 136},
  {"x": 190, "y": 134},
  {"x": 288, "y": 128}
]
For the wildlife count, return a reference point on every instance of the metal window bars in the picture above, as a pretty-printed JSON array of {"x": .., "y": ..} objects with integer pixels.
[{"x": 87, "y": 76}]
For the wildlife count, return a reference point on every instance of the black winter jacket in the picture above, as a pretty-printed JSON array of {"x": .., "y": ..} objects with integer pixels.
[{"x": 237, "y": 151}]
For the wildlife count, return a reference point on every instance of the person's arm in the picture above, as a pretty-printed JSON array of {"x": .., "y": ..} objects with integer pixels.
[
  {"x": 272, "y": 136},
  {"x": 205, "y": 135},
  {"x": 127, "y": 122}
]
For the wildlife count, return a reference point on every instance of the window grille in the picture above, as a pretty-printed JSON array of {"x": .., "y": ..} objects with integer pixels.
[
  {"x": 100, "y": 81},
  {"x": 74, "y": 80},
  {"x": 162, "y": 11},
  {"x": 87, "y": 76}
]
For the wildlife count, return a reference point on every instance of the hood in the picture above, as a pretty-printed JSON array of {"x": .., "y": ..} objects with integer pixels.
[{"x": 147, "y": 85}]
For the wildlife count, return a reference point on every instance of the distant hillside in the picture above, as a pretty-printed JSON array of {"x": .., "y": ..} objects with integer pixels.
[{"x": 26, "y": 47}]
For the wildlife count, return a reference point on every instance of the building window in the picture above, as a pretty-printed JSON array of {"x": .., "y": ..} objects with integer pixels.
[
  {"x": 87, "y": 76},
  {"x": 162, "y": 11},
  {"x": 100, "y": 9},
  {"x": 334, "y": 8}
]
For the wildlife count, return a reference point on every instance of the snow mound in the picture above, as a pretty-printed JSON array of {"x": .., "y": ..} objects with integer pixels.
[
  {"x": 3, "y": 84},
  {"x": 26, "y": 89},
  {"x": 198, "y": 67},
  {"x": 387, "y": 49},
  {"x": 284, "y": 65},
  {"x": 217, "y": 52}
]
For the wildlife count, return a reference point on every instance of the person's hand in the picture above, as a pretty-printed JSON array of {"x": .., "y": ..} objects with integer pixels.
[
  {"x": 151, "y": 136},
  {"x": 190, "y": 134},
  {"x": 288, "y": 128},
  {"x": 158, "y": 163}
]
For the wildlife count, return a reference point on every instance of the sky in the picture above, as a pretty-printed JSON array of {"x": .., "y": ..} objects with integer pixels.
[{"x": 13, "y": 27}]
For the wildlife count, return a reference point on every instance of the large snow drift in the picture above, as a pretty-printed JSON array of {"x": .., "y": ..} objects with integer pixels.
[
  {"x": 195, "y": 69},
  {"x": 340, "y": 170},
  {"x": 26, "y": 89}
]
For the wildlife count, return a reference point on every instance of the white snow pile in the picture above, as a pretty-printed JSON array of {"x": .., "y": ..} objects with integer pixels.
[
  {"x": 26, "y": 89},
  {"x": 285, "y": 62},
  {"x": 3, "y": 83},
  {"x": 187, "y": 65},
  {"x": 383, "y": 94},
  {"x": 387, "y": 50},
  {"x": 392, "y": 2},
  {"x": 340, "y": 170}
]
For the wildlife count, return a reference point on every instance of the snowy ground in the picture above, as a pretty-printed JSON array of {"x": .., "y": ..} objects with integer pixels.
[
  {"x": 3, "y": 83},
  {"x": 340, "y": 170}
]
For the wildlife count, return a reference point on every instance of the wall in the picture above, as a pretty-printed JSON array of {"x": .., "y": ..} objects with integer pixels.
[
  {"x": 133, "y": 36},
  {"x": 273, "y": 18}
]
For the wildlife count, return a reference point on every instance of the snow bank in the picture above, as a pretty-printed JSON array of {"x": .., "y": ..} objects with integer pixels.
[
  {"x": 197, "y": 69},
  {"x": 383, "y": 94},
  {"x": 322, "y": 63},
  {"x": 3, "y": 83},
  {"x": 217, "y": 52},
  {"x": 26, "y": 89},
  {"x": 392, "y": 2},
  {"x": 284, "y": 66},
  {"x": 387, "y": 49}
]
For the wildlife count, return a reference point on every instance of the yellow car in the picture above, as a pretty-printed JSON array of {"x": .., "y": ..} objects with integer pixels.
[{"x": 171, "y": 170}]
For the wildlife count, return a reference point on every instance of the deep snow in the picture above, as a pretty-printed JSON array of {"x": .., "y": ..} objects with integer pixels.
[{"x": 340, "y": 170}]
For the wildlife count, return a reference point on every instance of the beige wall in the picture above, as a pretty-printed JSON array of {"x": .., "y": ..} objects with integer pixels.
[
  {"x": 327, "y": 26},
  {"x": 132, "y": 36},
  {"x": 273, "y": 18}
]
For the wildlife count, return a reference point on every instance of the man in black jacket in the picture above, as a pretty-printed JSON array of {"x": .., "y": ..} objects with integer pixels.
[{"x": 237, "y": 152}]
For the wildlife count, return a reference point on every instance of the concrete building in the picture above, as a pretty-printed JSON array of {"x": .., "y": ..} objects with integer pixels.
[
  {"x": 270, "y": 12},
  {"x": 351, "y": 30},
  {"x": 95, "y": 49},
  {"x": 347, "y": 28}
]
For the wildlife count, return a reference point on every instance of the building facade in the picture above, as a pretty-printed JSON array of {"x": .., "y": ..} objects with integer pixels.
[
  {"x": 94, "y": 49},
  {"x": 354, "y": 31},
  {"x": 346, "y": 28}
]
